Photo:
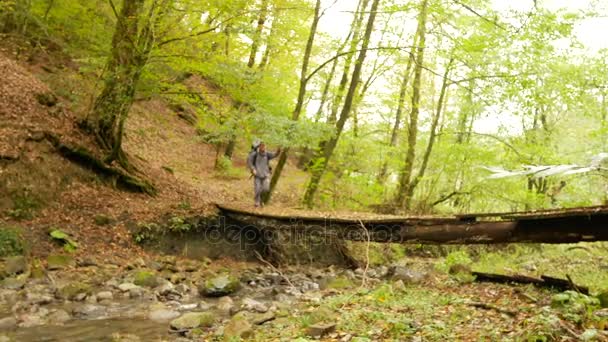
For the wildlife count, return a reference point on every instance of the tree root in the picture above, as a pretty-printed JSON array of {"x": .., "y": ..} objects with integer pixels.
[{"x": 85, "y": 158}]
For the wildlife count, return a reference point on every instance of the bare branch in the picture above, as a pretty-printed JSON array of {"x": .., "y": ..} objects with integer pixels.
[{"x": 470, "y": 9}]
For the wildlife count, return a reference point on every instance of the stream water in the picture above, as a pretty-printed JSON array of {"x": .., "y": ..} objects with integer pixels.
[{"x": 93, "y": 331}]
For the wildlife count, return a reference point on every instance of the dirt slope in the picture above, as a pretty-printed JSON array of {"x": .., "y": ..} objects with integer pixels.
[{"x": 40, "y": 190}]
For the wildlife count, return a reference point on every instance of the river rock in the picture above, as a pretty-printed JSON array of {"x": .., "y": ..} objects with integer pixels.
[
  {"x": 238, "y": 327},
  {"x": 136, "y": 292},
  {"x": 253, "y": 305},
  {"x": 38, "y": 298},
  {"x": 260, "y": 319},
  {"x": 407, "y": 275},
  {"x": 8, "y": 323},
  {"x": 146, "y": 278},
  {"x": 105, "y": 295},
  {"x": 225, "y": 305},
  {"x": 165, "y": 288},
  {"x": 16, "y": 265},
  {"x": 219, "y": 286},
  {"x": 59, "y": 262},
  {"x": 187, "y": 307},
  {"x": 118, "y": 337},
  {"x": 399, "y": 286},
  {"x": 13, "y": 283},
  {"x": 30, "y": 320},
  {"x": 318, "y": 330},
  {"x": 4, "y": 338},
  {"x": 193, "y": 320},
  {"x": 125, "y": 287},
  {"x": 90, "y": 311},
  {"x": 58, "y": 317},
  {"x": 74, "y": 291},
  {"x": 163, "y": 315}
]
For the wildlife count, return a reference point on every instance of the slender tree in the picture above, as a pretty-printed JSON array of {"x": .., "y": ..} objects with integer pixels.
[
  {"x": 301, "y": 94},
  {"x": 400, "y": 108},
  {"x": 328, "y": 150},
  {"x": 401, "y": 199}
]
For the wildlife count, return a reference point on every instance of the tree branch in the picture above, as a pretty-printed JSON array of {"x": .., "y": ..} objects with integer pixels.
[{"x": 470, "y": 9}]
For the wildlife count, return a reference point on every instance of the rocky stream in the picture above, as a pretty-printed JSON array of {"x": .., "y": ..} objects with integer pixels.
[{"x": 168, "y": 299}]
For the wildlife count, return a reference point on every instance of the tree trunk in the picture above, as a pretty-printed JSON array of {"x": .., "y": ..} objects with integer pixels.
[
  {"x": 346, "y": 110},
  {"x": 266, "y": 57},
  {"x": 399, "y": 113},
  {"x": 357, "y": 24},
  {"x": 123, "y": 70},
  {"x": 300, "y": 101},
  {"x": 432, "y": 136},
  {"x": 406, "y": 174},
  {"x": 229, "y": 151},
  {"x": 255, "y": 45}
]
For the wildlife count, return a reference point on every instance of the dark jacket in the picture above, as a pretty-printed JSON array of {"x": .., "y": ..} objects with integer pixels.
[{"x": 261, "y": 167}]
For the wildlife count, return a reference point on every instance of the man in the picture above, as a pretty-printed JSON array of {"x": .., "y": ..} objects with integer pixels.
[{"x": 260, "y": 169}]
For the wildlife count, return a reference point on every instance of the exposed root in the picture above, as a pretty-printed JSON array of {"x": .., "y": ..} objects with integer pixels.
[{"x": 84, "y": 157}]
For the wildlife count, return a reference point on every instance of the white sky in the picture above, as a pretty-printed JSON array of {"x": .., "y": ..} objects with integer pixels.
[{"x": 590, "y": 32}]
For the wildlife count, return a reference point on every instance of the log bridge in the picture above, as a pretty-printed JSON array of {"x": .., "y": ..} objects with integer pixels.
[{"x": 544, "y": 226}]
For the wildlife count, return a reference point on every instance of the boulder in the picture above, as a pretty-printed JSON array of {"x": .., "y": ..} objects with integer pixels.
[
  {"x": 219, "y": 286},
  {"x": 193, "y": 320}
]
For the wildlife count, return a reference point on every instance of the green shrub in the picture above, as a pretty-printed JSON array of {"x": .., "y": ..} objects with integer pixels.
[
  {"x": 11, "y": 242},
  {"x": 24, "y": 205},
  {"x": 457, "y": 257}
]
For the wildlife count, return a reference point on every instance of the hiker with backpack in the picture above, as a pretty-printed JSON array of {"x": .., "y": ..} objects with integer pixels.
[{"x": 258, "y": 163}]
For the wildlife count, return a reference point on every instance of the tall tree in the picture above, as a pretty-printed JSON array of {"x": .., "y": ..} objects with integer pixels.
[
  {"x": 132, "y": 43},
  {"x": 257, "y": 36},
  {"x": 401, "y": 199},
  {"x": 354, "y": 42},
  {"x": 400, "y": 108},
  {"x": 301, "y": 94},
  {"x": 328, "y": 150}
]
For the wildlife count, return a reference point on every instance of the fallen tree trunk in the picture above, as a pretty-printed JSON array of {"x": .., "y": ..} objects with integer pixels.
[
  {"x": 543, "y": 281},
  {"x": 565, "y": 226}
]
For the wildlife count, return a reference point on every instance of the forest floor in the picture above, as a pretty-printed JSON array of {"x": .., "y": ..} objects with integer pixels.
[{"x": 45, "y": 91}]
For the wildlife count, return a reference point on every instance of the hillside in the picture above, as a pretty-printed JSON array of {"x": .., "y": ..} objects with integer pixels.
[{"x": 41, "y": 189}]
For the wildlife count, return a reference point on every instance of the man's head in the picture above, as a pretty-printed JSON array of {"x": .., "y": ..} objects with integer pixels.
[{"x": 262, "y": 147}]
